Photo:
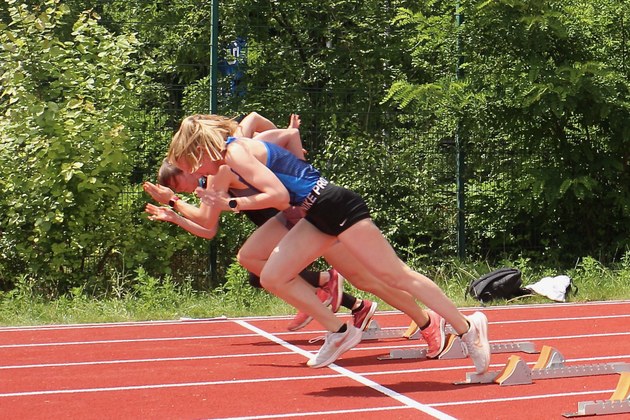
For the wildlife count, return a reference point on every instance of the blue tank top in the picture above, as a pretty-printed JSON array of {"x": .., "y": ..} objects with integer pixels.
[{"x": 298, "y": 176}]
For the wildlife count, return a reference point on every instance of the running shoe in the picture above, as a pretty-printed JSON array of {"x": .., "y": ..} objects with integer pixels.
[
  {"x": 335, "y": 288},
  {"x": 335, "y": 345},
  {"x": 302, "y": 319},
  {"x": 475, "y": 342},
  {"x": 434, "y": 335},
  {"x": 361, "y": 319}
]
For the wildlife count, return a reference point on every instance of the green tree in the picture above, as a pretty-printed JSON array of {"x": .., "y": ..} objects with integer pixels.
[
  {"x": 67, "y": 96},
  {"x": 544, "y": 110}
]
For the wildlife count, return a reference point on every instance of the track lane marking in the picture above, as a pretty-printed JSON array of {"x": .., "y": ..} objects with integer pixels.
[
  {"x": 522, "y": 398},
  {"x": 467, "y": 402},
  {"x": 403, "y": 399},
  {"x": 239, "y": 355},
  {"x": 213, "y": 337},
  {"x": 317, "y": 413},
  {"x": 263, "y": 318},
  {"x": 232, "y": 356},
  {"x": 243, "y": 381},
  {"x": 445, "y": 404}
]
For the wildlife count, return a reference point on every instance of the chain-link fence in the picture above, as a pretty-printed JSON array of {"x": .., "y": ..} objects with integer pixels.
[{"x": 338, "y": 112}]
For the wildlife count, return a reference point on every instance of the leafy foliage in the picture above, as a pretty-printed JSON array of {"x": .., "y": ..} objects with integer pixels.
[
  {"x": 539, "y": 106},
  {"x": 545, "y": 86},
  {"x": 67, "y": 92}
]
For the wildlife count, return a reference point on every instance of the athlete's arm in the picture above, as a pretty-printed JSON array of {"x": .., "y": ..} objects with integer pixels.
[
  {"x": 163, "y": 195},
  {"x": 201, "y": 221},
  {"x": 272, "y": 192},
  {"x": 167, "y": 214},
  {"x": 219, "y": 185},
  {"x": 252, "y": 124},
  {"x": 287, "y": 138}
]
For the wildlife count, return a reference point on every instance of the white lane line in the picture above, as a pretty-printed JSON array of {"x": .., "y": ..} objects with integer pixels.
[
  {"x": 220, "y": 337},
  {"x": 245, "y": 381},
  {"x": 527, "y": 397},
  {"x": 152, "y": 360},
  {"x": 350, "y": 374},
  {"x": 316, "y": 413},
  {"x": 263, "y": 318},
  {"x": 567, "y": 337},
  {"x": 576, "y": 318},
  {"x": 242, "y": 355},
  {"x": 602, "y": 359},
  {"x": 122, "y": 324},
  {"x": 128, "y": 340},
  {"x": 155, "y": 386},
  {"x": 519, "y": 307},
  {"x": 444, "y": 404}
]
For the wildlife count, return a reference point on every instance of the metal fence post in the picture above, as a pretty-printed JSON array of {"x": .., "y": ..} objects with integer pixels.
[
  {"x": 214, "y": 41},
  {"x": 461, "y": 158}
]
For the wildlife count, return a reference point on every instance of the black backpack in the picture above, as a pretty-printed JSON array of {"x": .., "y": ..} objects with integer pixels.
[{"x": 503, "y": 283}]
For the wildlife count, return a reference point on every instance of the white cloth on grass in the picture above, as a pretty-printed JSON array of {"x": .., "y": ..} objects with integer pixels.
[{"x": 554, "y": 288}]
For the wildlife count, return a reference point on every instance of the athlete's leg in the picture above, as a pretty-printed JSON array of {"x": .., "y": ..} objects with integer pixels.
[
  {"x": 366, "y": 242},
  {"x": 255, "y": 251},
  {"x": 257, "y": 248},
  {"x": 339, "y": 257},
  {"x": 299, "y": 247}
]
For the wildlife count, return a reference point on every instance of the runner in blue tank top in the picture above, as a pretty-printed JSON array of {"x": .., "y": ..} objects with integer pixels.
[
  {"x": 333, "y": 214},
  {"x": 201, "y": 221},
  {"x": 298, "y": 176},
  {"x": 430, "y": 324}
]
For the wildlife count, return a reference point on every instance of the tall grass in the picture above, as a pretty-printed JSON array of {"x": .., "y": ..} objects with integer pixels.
[{"x": 147, "y": 298}]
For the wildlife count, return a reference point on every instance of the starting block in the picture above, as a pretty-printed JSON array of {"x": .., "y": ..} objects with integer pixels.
[
  {"x": 375, "y": 332},
  {"x": 550, "y": 365},
  {"x": 453, "y": 350},
  {"x": 618, "y": 403}
]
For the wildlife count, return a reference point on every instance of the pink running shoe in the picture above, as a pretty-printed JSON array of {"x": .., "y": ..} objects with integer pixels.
[
  {"x": 361, "y": 319},
  {"x": 434, "y": 335},
  {"x": 335, "y": 288},
  {"x": 302, "y": 319}
]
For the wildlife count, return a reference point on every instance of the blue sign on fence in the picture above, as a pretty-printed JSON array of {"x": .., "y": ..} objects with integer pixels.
[{"x": 234, "y": 64}]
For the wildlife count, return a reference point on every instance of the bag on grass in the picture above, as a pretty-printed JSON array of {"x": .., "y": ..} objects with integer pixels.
[{"x": 504, "y": 283}]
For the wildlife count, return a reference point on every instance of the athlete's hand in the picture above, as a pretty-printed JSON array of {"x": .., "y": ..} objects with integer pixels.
[
  {"x": 216, "y": 199},
  {"x": 158, "y": 192},
  {"x": 160, "y": 213}
]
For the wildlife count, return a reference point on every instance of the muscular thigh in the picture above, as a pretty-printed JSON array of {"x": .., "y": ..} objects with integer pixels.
[
  {"x": 343, "y": 261},
  {"x": 260, "y": 244},
  {"x": 371, "y": 249},
  {"x": 297, "y": 249}
]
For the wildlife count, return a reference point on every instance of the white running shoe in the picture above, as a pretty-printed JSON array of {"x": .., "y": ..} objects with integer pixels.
[
  {"x": 475, "y": 342},
  {"x": 335, "y": 345}
]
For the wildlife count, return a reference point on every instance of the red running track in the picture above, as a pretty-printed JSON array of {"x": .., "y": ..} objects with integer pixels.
[{"x": 253, "y": 368}]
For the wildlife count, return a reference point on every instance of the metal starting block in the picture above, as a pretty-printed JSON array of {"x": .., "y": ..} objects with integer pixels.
[
  {"x": 618, "y": 403},
  {"x": 375, "y": 332},
  {"x": 550, "y": 365},
  {"x": 453, "y": 350}
]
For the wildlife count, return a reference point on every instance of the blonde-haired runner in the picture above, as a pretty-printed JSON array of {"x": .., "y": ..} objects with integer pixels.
[{"x": 333, "y": 214}]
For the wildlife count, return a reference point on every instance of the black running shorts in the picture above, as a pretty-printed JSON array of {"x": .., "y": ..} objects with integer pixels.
[{"x": 336, "y": 209}]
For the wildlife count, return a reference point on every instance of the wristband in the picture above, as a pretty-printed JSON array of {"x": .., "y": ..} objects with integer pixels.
[
  {"x": 233, "y": 204},
  {"x": 172, "y": 201}
]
